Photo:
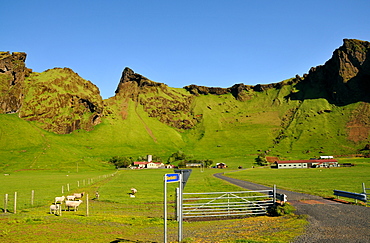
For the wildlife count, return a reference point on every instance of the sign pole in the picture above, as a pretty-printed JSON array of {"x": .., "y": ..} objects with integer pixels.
[
  {"x": 165, "y": 208},
  {"x": 180, "y": 209},
  {"x": 168, "y": 178}
]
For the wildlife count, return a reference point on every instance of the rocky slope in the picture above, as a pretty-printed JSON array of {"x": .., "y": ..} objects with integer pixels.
[
  {"x": 58, "y": 99},
  {"x": 12, "y": 74}
]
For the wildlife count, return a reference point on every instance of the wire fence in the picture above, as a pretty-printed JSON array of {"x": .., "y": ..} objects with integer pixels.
[{"x": 18, "y": 201}]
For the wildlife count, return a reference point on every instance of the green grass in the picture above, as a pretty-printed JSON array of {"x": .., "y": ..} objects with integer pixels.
[
  {"x": 116, "y": 216},
  {"x": 315, "y": 181}
]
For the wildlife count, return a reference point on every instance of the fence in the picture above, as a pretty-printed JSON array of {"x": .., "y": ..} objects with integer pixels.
[
  {"x": 227, "y": 204},
  {"x": 365, "y": 191},
  {"x": 33, "y": 198},
  {"x": 357, "y": 196}
]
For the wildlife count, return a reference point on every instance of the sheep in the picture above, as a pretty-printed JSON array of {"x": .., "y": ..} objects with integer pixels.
[
  {"x": 59, "y": 199},
  {"x": 54, "y": 208},
  {"x": 133, "y": 191},
  {"x": 73, "y": 204},
  {"x": 78, "y": 195},
  {"x": 71, "y": 198}
]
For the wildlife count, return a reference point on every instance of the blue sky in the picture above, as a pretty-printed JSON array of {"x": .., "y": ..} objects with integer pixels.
[{"x": 214, "y": 43}]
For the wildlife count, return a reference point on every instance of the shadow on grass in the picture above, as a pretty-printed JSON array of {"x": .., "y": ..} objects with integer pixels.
[{"x": 137, "y": 241}]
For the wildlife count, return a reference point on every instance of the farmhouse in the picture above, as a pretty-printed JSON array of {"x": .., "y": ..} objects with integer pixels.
[
  {"x": 221, "y": 165},
  {"x": 194, "y": 165},
  {"x": 148, "y": 165},
  {"x": 312, "y": 163}
]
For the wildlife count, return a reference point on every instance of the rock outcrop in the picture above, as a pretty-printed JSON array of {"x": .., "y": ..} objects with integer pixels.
[
  {"x": 61, "y": 101},
  {"x": 345, "y": 77},
  {"x": 12, "y": 73},
  {"x": 158, "y": 100}
]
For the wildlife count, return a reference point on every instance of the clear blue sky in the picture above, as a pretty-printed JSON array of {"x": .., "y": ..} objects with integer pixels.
[{"x": 214, "y": 43}]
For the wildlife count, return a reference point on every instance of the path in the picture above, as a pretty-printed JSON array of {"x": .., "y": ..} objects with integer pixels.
[{"x": 330, "y": 221}]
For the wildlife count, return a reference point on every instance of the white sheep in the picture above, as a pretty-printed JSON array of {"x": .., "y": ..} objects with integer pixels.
[
  {"x": 59, "y": 199},
  {"x": 78, "y": 195},
  {"x": 71, "y": 198},
  {"x": 73, "y": 204},
  {"x": 54, "y": 208},
  {"x": 133, "y": 191}
]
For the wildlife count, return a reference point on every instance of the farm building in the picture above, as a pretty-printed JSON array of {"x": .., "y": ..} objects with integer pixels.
[
  {"x": 194, "y": 165},
  {"x": 316, "y": 163},
  {"x": 148, "y": 165},
  {"x": 221, "y": 165}
]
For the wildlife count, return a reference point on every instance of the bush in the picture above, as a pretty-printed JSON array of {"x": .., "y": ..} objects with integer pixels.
[{"x": 281, "y": 209}]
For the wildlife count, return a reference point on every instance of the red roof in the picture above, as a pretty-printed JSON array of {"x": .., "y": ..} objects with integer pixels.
[
  {"x": 306, "y": 161},
  {"x": 145, "y": 163}
]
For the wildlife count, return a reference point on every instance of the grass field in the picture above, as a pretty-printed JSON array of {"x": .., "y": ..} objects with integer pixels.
[
  {"x": 316, "y": 181},
  {"x": 116, "y": 217}
]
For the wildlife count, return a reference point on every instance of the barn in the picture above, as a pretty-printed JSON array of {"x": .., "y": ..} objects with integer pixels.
[{"x": 316, "y": 163}]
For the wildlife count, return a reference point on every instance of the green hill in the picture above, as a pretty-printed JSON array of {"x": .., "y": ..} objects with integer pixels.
[{"x": 57, "y": 120}]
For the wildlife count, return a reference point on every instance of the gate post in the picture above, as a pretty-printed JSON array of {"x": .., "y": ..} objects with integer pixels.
[{"x": 274, "y": 194}]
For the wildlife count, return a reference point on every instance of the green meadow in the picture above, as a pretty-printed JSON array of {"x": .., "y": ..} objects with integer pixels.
[
  {"x": 315, "y": 181},
  {"x": 116, "y": 217},
  {"x": 227, "y": 130}
]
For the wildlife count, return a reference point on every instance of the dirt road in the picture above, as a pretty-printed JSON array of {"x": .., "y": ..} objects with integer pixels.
[{"x": 330, "y": 221}]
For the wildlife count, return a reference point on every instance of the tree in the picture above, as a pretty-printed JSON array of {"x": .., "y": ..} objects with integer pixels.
[
  {"x": 208, "y": 163},
  {"x": 121, "y": 162},
  {"x": 261, "y": 160},
  {"x": 179, "y": 155}
]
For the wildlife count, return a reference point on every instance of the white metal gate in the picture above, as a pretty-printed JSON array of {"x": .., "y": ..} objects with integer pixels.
[{"x": 227, "y": 204}]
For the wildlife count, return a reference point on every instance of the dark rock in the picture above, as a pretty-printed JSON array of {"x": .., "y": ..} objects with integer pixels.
[{"x": 12, "y": 74}]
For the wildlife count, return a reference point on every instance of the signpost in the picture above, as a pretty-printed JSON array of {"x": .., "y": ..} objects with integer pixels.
[
  {"x": 168, "y": 178},
  {"x": 180, "y": 176}
]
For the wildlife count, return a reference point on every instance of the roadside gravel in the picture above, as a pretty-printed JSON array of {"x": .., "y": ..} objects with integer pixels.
[{"x": 329, "y": 221}]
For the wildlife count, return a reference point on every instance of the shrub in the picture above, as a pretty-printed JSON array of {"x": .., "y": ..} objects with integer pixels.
[{"x": 281, "y": 209}]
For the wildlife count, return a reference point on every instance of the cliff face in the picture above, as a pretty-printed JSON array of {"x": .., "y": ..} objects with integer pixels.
[
  {"x": 58, "y": 99},
  {"x": 158, "y": 100},
  {"x": 12, "y": 74},
  {"x": 61, "y": 101},
  {"x": 345, "y": 78}
]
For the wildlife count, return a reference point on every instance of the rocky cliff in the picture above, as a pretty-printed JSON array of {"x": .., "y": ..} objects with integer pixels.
[
  {"x": 158, "y": 100},
  {"x": 12, "y": 73},
  {"x": 58, "y": 99},
  {"x": 61, "y": 101},
  {"x": 343, "y": 79}
]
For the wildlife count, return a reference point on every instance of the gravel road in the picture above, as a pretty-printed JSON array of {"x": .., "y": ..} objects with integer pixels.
[{"x": 330, "y": 221}]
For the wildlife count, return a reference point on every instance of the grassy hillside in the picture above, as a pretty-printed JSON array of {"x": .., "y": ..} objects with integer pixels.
[
  {"x": 227, "y": 130},
  {"x": 151, "y": 118}
]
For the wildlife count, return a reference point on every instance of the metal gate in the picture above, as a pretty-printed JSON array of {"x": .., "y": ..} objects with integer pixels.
[{"x": 227, "y": 204}]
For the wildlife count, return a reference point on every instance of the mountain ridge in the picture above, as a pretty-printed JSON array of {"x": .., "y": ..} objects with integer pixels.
[{"x": 324, "y": 111}]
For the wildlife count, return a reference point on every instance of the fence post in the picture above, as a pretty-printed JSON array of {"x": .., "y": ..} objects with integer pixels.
[
  {"x": 68, "y": 187},
  {"x": 78, "y": 183},
  {"x": 363, "y": 188},
  {"x": 15, "y": 202},
  {"x": 32, "y": 197},
  {"x": 87, "y": 204},
  {"x": 62, "y": 190},
  {"x": 274, "y": 194},
  {"x": 5, "y": 203}
]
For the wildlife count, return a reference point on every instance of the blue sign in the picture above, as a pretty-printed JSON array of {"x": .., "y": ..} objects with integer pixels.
[{"x": 172, "y": 178}]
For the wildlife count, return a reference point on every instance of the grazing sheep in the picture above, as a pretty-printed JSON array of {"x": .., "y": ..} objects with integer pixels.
[
  {"x": 71, "y": 198},
  {"x": 78, "y": 195},
  {"x": 73, "y": 204},
  {"x": 133, "y": 191},
  {"x": 59, "y": 199},
  {"x": 54, "y": 208}
]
